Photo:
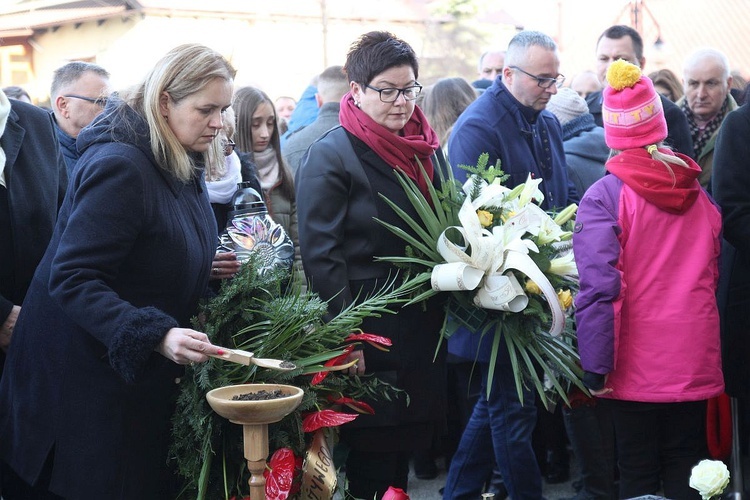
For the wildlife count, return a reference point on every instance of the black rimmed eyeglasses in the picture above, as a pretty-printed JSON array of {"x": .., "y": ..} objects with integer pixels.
[
  {"x": 390, "y": 94},
  {"x": 99, "y": 101},
  {"x": 228, "y": 147},
  {"x": 544, "y": 82}
]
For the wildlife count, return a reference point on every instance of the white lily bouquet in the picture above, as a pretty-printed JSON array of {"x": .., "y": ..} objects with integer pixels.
[
  {"x": 710, "y": 478},
  {"x": 506, "y": 263}
]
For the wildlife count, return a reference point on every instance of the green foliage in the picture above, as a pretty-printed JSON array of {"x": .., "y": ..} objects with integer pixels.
[{"x": 264, "y": 314}]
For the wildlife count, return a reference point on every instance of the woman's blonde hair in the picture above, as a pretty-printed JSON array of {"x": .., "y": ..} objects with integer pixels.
[
  {"x": 216, "y": 165},
  {"x": 667, "y": 160},
  {"x": 183, "y": 71}
]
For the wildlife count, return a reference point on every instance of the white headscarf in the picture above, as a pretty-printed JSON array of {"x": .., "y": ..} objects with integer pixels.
[
  {"x": 4, "y": 112},
  {"x": 221, "y": 190}
]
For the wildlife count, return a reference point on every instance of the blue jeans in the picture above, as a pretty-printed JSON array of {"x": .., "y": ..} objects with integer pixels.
[{"x": 499, "y": 426}]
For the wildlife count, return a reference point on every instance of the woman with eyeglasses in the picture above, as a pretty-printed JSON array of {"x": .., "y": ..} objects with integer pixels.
[
  {"x": 92, "y": 373},
  {"x": 339, "y": 188}
]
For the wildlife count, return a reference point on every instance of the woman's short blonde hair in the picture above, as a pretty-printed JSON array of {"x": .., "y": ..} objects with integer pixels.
[{"x": 183, "y": 71}]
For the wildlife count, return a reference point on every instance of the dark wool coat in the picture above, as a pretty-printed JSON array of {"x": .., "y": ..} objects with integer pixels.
[
  {"x": 524, "y": 140},
  {"x": 338, "y": 186},
  {"x": 36, "y": 181},
  {"x": 731, "y": 190},
  {"x": 84, "y": 388}
]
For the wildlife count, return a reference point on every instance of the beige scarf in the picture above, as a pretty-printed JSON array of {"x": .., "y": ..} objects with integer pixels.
[
  {"x": 267, "y": 166},
  {"x": 4, "y": 112}
]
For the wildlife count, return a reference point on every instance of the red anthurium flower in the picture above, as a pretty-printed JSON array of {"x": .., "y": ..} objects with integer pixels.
[
  {"x": 337, "y": 360},
  {"x": 355, "y": 405},
  {"x": 326, "y": 418},
  {"x": 377, "y": 341},
  {"x": 279, "y": 475},
  {"x": 395, "y": 494}
]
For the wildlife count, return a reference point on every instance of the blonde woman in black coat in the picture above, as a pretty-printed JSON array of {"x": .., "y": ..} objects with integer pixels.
[{"x": 91, "y": 376}]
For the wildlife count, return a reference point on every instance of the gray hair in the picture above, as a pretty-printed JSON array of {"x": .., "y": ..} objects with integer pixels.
[
  {"x": 701, "y": 55},
  {"x": 71, "y": 72},
  {"x": 521, "y": 43}
]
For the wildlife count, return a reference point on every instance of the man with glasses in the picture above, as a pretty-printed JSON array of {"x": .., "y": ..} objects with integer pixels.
[
  {"x": 78, "y": 94},
  {"x": 510, "y": 123},
  {"x": 623, "y": 42}
]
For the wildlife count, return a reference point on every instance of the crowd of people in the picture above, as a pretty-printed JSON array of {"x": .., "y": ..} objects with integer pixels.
[{"x": 111, "y": 203}]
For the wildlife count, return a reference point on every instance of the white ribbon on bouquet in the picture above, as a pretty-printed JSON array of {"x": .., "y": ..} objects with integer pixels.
[{"x": 487, "y": 259}]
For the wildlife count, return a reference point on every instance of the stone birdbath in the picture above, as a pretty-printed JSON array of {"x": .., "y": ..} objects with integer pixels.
[{"x": 254, "y": 416}]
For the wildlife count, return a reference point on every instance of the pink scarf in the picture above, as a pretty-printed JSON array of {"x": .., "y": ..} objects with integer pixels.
[{"x": 418, "y": 140}]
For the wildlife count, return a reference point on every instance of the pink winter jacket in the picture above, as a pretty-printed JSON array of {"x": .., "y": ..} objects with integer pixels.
[{"x": 647, "y": 249}]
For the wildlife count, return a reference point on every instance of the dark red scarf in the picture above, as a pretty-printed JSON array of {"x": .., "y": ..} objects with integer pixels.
[{"x": 417, "y": 141}]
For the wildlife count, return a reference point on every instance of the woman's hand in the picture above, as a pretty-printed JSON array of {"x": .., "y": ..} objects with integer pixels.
[
  {"x": 359, "y": 367},
  {"x": 225, "y": 265},
  {"x": 185, "y": 346}
]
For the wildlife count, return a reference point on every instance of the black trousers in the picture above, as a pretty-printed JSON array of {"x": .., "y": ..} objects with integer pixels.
[
  {"x": 592, "y": 437},
  {"x": 657, "y": 446}
]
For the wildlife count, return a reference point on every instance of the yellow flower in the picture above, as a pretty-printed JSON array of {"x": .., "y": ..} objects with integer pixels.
[
  {"x": 507, "y": 214},
  {"x": 485, "y": 218},
  {"x": 565, "y": 298},
  {"x": 532, "y": 287}
]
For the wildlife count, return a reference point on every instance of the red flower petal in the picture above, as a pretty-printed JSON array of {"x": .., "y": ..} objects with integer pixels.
[
  {"x": 377, "y": 341},
  {"x": 336, "y": 360},
  {"x": 355, "y": 405},
  {"x": 326, "y": 418},
  {"x": 280, "y": 474},
  {"x": 395, "y": 494}
]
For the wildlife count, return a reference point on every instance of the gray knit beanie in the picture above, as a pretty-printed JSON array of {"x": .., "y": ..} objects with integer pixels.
[{"x": 567, "y": 105}]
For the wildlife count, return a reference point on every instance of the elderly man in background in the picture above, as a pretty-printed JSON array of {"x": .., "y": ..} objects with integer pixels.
[
  {"x": 707, "y": 81},
  {"x": 78, "y": 94},
  {"x": 586, "y": 83},
  {"x": 490, "y": 67},
  {"x": 623, "y": 42},
  {"x": 332, "y": 85}
]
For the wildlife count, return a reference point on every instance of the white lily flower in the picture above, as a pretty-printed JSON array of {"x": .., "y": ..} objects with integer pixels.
[
  {"x": 565, "y": 266},
  {"x": 530, "y": 192},
  {"x": 549, "y": 231}
]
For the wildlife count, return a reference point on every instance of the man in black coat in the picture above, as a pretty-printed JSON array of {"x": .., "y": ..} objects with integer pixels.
[
  {"x": 32, "y": 187},
  {"x": 623, "y": 42},
  {"x": 731, "y": 190}
]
